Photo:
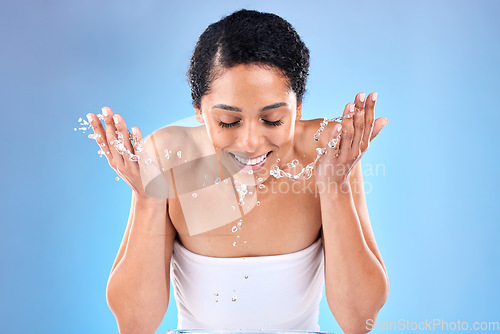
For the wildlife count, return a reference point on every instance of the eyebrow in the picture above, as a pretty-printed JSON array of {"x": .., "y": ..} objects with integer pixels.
[{"x": 230, "y": 108}]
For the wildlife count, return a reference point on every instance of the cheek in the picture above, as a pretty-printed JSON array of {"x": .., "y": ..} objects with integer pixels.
[
  {"x": 219, "y": 137},
  {"x": 285, "y": 135}
]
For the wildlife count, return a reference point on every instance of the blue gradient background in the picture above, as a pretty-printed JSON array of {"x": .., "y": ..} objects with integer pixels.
[{"x": 433, "y": 206}]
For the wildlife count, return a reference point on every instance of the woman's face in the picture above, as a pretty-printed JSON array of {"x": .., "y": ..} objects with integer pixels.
[{"x": 250, "y": 116}]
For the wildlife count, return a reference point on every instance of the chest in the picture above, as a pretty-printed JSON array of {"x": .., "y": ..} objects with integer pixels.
[{"x": 284, "y": 217}]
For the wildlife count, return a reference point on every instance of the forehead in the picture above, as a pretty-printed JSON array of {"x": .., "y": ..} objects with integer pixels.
[{"x": 250, "y": 80}]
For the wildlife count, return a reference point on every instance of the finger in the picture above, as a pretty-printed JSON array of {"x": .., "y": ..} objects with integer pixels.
[
  {"x": 124, "y": 147},
  {"x": 111, "y": 135},
  {"x": 359, "y": 122},
  {"x": 100, "y": 135},
  {"x": 380, "y": 123},
  {"x": 347, "y": 130},
  {"x": 139, "y": 148},
  {"x": 334, "y": 142},
  {"x": 369, "y": 121}
]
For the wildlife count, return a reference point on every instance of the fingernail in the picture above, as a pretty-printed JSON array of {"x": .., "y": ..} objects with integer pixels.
[
  {"x": 362, "y": 97},
  {"x": 116, "y": 119},
  {"x": 89, "y": 118},
  {"x": 374, "y": 97},
  {"x": 351, "y": 107},
  {"x": 134, "y": 131},
  {"x": 104, "y": 111},
  {"x": 339, "y": 128}
]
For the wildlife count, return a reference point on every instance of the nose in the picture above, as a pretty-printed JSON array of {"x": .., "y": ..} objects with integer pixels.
[{"x": 249, "y": 138}]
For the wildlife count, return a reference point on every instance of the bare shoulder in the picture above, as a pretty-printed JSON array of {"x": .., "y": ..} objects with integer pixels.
[{"x": 179, "y": 142}]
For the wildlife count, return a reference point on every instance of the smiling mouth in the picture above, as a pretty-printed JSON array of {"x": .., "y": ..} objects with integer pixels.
[{"x": 250, "y": 163}]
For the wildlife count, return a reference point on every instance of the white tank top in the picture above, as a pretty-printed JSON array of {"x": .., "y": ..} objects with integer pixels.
[{"x": 262, "y": 292}]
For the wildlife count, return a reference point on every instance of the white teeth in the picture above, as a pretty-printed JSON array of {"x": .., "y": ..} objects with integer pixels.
[{"x": 250, "y": 162}]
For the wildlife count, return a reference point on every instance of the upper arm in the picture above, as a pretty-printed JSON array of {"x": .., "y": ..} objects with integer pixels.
[{"x": 358, "y": 193}]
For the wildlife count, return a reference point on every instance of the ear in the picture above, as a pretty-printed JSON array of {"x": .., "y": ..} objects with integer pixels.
[
  {"x": 299, "y": 111},
  {"x": 198, "y": 115}
]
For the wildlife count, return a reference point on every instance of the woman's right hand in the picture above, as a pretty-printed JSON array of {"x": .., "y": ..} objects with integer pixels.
[{"x": 114, "y": 141}]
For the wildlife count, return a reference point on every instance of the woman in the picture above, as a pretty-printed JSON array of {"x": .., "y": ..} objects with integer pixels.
[{"x": 244, "y": 249}]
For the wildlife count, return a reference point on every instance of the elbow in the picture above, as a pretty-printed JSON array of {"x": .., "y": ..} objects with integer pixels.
[
  {"x": 362, "y": 319},
  {"x": 359, "y": 324},
  {"x": 130, "y": 316}
]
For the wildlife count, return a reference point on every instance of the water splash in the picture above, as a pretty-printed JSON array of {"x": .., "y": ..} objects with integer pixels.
[
  {"x": 307, "y": 171},
  {"x": 242, "y": 190},
  {"x": 120, "y": 147},
  {"x": 118, "y": 144}
]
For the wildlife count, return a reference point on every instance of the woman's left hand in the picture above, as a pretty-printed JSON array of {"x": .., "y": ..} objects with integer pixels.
[{"x": 356, "y": 134}]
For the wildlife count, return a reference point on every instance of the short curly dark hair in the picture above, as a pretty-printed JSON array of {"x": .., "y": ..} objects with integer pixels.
[{"x": 248, "y": 37}]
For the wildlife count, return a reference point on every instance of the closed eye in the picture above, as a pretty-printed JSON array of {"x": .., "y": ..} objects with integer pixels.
[
  {"x": 277, "y": 123},
  {"x": 227, "y": 125}
]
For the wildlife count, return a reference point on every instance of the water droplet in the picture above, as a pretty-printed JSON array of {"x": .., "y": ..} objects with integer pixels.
[
  {"x": 234, "y": 243},
  {"x": 148, "y": 161},
  {"x": 92, "y": 136},
  {"x": 250, "y": 172},
  {"x": 117, "y": 178},
  {"x": 216, "y": 294},
  {"x": 195, "y": 195},
  {"x": 261, "y": 186},
  {"x": 232, "y": 207},
  {"x": 260, "y": 179},
  {"x": 333, "y": 143},
  {"x": 234, "y": 229},
  {"x": 179, "y": 154},
  {"x": 225, "y": 181},
  {"x": 217, "y": 180},
  {"x": 234, "y": 298},
  {"x": 295, "y": 162},
  {"x": 239, "y": 223},
  {"x": 246, "y": 276},
  {"x": 258, "y": 203},
  {"x": 216, "y": 300},
  {"x": 206, "y": 176}
]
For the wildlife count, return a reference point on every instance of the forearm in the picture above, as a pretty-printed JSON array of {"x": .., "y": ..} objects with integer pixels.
[
  {"x": 355, "y": 281},
  {"x": 138, "y": 288}
]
